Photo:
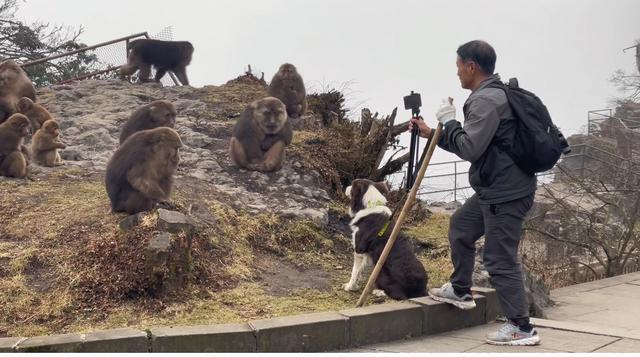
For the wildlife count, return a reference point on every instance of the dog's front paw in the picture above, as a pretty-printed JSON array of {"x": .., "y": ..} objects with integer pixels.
[
  {"x": 378, "y": 293},
  {"x": 350, "y": 287}
]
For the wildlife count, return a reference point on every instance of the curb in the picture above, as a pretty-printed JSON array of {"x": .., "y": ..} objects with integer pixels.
[{"x": 316, "y": 332}]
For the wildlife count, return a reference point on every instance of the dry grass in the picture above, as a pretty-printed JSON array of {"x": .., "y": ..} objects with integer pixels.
[{"x": 73, "y": 270}]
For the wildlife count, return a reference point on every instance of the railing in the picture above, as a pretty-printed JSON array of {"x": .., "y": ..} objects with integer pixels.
[
  {"x": 595, "y": 119},
  {"x": 114, "y": 58},
  {"x": 582, "y": 161}
]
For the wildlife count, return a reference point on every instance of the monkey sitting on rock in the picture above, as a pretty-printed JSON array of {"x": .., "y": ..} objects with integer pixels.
[
  {"x": 153, "y": 115},
  {"x": 288, "y": 86},
  {"x": 140, "y": 173},
  {"x": 14, "y": 84},
  {"x": 261, "y": 135}
]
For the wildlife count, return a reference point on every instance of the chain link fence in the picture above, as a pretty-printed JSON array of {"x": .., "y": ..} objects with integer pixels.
[{"x": 99, "y": 61}]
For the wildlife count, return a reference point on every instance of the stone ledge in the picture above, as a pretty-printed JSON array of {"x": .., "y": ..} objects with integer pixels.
[
  {"x": 211, "y": 338},
  {"x": 382, "y": 323},
  {"x": 7, "y": 343},
  {"x": 117, "y": 340},
  {"x": 324, "y": 331},
  {"x": 493, "y": 309},
  {"x": 438, "y": 317},
  {"x": 52, "y": 343}
]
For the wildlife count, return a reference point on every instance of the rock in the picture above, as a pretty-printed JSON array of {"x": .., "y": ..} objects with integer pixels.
[
  {"x": 320, "y": 217},
  {"x": 208, "y": 165},
  {"x": 160, "y": 244},
  {"x": 131, "y": 221},
  {"x": 175, "y": 222},
  {"x": 168, "y": 261},
  {"x": 200, "y": 175}
]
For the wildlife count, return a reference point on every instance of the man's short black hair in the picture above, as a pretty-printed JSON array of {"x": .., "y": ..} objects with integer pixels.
[{"x": 479, "y": 52}]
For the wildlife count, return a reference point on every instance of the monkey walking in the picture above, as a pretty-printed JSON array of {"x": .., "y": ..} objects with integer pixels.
[{"x": 165, "y": 56}]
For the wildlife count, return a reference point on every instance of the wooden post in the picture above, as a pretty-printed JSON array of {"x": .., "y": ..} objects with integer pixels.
[{"x": 405, "y": 209}]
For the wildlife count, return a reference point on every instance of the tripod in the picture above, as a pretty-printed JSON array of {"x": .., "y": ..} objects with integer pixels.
[{"x": 415, "y": 163}]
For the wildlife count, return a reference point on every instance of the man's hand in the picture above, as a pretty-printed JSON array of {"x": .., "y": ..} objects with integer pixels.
[
  {"x": 425, "y": 130},
  {"x": 446, "y": 112}
]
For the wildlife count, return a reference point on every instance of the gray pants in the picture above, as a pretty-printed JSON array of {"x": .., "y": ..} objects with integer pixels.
[{"x": 501, "y": 224}]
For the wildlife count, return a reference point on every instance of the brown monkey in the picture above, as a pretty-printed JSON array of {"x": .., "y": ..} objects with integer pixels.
[
  {"x": 36, "y": 113},
  {"x": 261, "y": 135},
  {"x": 14, "y": 84},
  {"x": 287, "y": 85},
  {"x": 140, "y": 172},
  {"x": 45, "y": 144},
  {"x": 165, "y": 56},
  {"x": 12, "y": 161},
  {"x": 153, "y": 115}
]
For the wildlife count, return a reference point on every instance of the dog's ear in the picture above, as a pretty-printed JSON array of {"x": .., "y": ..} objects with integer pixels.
[
  {"x": 383, "y": 187},
  {"x": 347, "y": 191},
  {"x": 356, "y": 192}
]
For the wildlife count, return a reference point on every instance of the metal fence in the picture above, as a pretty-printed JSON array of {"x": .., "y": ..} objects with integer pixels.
[
  {"x": 109, "y": 57},
  {"x": 584, "y": 160},
  {"x": 596, "y": 119}
]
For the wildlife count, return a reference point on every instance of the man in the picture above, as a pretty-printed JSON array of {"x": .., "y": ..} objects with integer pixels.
[{"x": 503, "y": 195}]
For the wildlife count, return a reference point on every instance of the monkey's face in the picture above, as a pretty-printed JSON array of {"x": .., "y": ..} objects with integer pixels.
[
  {"x": 270, "y": 114},
  {"x": 24, "y": 105},
  {"x": 8, "y": 68},
  {"x": 163, "y": 114},
  {"x": 51, "y": 128},
  {"x": 287, "y": 70},
  {"x": 20, "y": 124},
  {"x": 167, "y": 145}
]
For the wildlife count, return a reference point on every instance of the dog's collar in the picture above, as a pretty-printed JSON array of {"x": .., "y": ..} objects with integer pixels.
[
  {"x": 374, "y": 204},
  {"x": 384, "y": 229}
]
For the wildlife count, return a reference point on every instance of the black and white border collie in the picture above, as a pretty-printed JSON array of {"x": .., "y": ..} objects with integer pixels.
[{"x": 402, "y": 275}]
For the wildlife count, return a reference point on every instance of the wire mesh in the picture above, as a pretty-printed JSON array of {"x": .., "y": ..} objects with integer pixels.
[{"x": 101, "y": 62}]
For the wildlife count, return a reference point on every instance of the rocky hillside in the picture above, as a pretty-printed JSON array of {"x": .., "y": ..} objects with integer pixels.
[
  {"x": 91, "y": 114},
  {"x": 230, "y": 246}
]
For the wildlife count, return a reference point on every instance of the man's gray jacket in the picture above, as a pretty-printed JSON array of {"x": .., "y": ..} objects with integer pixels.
[{"x": 488, "y": 123}]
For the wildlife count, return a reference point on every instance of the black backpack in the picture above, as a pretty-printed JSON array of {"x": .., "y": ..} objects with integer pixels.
[{"x": 537, "y": 143}]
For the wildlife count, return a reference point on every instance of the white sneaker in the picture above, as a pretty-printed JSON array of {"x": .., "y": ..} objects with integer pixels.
[
  {"x": 511, "y": 335},
  {"x": 448, "y": 295}
]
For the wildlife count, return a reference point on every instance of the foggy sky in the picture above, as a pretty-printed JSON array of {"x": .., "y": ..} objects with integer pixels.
[{"x": 564, "y": 51}]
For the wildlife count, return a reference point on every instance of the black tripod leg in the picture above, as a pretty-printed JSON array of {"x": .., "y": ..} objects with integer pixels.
[
  {"x": 424, "y": 153},
  {"x": 410, "y": 167}
]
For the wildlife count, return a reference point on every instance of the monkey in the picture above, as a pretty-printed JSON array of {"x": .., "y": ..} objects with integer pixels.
[
  {"x": 12, "y": 160},
  {"x": 14, "y": 84},
  {"x": 140, "y": 172},
  {"x": 153, "y": 115},
  {"x": 287, "y": 85},
  {"x": 45, "y": 144},
  {"x": 261, "y": 135},
  {"x": 36, "y": 113},
  {"x": 165, "y": 56}
]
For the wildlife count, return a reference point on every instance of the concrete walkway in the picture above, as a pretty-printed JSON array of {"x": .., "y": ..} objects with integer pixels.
[{"x": 601, "y": 316}]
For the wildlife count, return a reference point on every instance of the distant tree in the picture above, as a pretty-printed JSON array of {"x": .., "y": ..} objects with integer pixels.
[
  {"x": 27, "y": 42},
  {"x": 598, "y": 212}
]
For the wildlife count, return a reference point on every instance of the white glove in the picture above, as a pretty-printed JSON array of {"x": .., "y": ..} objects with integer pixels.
[{"x": 446, "y": 112}]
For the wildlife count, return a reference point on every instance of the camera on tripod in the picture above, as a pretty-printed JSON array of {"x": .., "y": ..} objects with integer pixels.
[{"x": 413, "y": 102}]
